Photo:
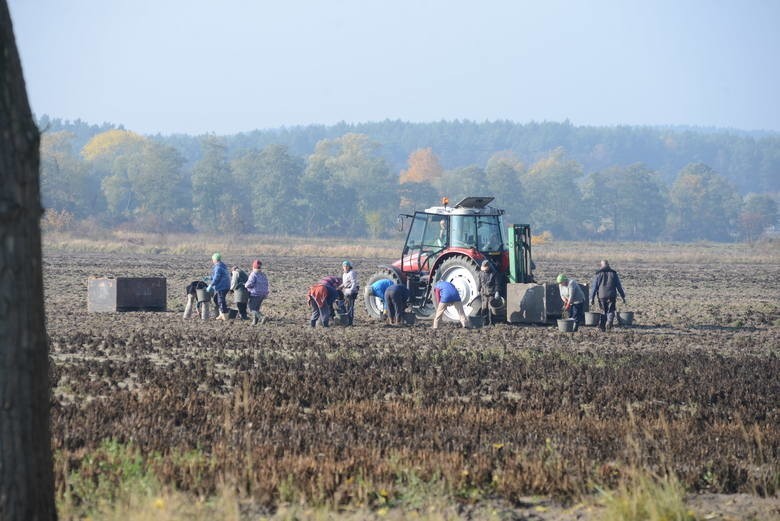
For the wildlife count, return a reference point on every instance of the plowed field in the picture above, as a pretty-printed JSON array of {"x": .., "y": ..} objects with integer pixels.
[{"x": 354, "y": 415}]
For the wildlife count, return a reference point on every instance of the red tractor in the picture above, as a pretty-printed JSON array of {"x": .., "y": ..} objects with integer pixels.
[{"x": 449, "y": 243}]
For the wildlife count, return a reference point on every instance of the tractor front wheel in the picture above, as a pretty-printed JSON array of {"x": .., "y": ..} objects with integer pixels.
[{"x": 374, "y": 305}]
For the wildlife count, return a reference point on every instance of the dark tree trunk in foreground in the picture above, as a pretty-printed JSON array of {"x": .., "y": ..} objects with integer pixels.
[{"x": 26, "y": 485}]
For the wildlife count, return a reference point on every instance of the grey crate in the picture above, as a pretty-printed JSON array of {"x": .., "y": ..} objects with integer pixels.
[{"x": 127, "y": 294}]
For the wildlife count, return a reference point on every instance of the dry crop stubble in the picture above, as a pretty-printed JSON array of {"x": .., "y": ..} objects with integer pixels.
[{"x": 336, "y": 416}]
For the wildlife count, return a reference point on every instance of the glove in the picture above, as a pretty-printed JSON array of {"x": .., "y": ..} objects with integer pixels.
[
  {"x": 496, "y": 295},
  {"x": 209, "y": 288}
]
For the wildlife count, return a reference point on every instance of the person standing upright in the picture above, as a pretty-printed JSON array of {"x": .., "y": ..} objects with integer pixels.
[
  {"x": 238, "y": 278},
  {"x": 220, "y": 283},
  {"x": 349, "y": 288},
  {"x": 488, "y": 289},
  {"x": 257, "y": 285},
  {"x": 606, "y": 285}
]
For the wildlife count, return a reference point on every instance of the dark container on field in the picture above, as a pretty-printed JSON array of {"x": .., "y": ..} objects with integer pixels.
[{"x": 127, "y": 294}]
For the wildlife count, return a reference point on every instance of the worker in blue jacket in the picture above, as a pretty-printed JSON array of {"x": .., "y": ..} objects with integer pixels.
[
  {"x": 220, "y": 284},
  {"x": 447, "y": 295}
]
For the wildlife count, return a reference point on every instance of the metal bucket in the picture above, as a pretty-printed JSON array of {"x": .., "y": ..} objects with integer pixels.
[
  {"x": 241, "y": 295},
  {"x": 626, "y": 318},
  {"x": 203, "y": 295},
  {"x": 232, "y": 314},
  {"x": 566, "y": 325},
  {"x": 592, "y": 318},
  {"x": 497, "y": 305},
  {"x": 409, "y": 319}
]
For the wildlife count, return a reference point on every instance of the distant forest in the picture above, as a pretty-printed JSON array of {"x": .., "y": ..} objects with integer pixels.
[{"x": 575, "y": 182}]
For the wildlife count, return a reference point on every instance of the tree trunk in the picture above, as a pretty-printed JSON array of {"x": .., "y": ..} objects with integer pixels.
[{"x": 26, "y": 484}]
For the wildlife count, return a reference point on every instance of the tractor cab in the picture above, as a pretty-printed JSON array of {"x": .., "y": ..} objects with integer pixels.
[{"x": 470, "y": 228}]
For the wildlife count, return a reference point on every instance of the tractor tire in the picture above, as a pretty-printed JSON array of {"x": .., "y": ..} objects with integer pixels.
[
  {"x": 374, "y": 305},
  {"x": 463, "y": 273}
]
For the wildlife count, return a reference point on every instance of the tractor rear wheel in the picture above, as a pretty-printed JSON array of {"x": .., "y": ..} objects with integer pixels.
[
  {"x": 374, "y": 305},
  {"x": 463, "y": 273}
]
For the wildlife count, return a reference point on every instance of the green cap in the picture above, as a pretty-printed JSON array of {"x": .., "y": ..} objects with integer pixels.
[
  {"x": 562, "y": 278},
  {"x": 346, "y": 263},
  {"x": 216, "y": 256}
]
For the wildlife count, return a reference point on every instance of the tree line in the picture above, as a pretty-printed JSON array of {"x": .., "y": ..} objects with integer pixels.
[{"x": 348, "y": 185}]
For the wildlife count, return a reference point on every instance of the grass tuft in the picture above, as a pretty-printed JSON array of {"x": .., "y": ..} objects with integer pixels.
[{"x": 643, "y": 497}]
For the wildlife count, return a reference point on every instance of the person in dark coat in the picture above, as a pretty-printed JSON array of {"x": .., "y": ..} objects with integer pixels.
[
  {"x": 488, "y": 289},
  {"x": 396, "y": 297},
  {"x": 606, "y": 285},
  {"x": 192, "y": 305},
  {"x": 238, "y": 278}
]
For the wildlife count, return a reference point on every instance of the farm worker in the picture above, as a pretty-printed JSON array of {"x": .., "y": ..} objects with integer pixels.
[
  {"x": 331, "y": 280},
  {"x": 220, "y": 284},
  {"x": 395, "y": 302},
  {"x": 378, "y": 289},
  {"x": 447, "y": 295},
  {"x": 488, "y": 289},
  {"x": 606, "y": 285},
  {"x": 349, "y": 288},
  {"x": 441, "y": 240},
  {"x": 192, "y": 298},
  {"x": 238, "y": 278},
  {"x": 257, "y": 285},
  {"x": 321, "y": 298},
  {"x": 573, "y": 299}
]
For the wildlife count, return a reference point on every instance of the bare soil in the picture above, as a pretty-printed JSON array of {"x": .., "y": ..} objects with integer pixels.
[{"x": 498, "y": 414}]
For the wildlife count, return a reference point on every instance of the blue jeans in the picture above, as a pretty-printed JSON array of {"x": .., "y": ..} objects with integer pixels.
[
  {"x": 319, "y": 314},
  {"x": 577, "y": 312}
]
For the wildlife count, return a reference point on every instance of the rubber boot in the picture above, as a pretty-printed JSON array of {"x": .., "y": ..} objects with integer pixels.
[
  {"x": 188, "y": 306},
  {"x": 255, "y": 317}
]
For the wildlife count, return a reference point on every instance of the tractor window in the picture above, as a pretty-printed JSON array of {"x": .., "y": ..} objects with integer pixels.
[
  {"x": 416, "y": 231},
  {"x": 464, "y": 231},
  {"x": 490, "y": 233},
  {"x": 436, "y": 232}
]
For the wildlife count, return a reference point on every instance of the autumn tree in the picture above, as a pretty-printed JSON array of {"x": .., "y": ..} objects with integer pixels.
[
  {"x": 703, "y": 205},
  {"x": 142, "y": 180},
  {"x": 424, "y": 167},
  {"x": 26, "y": 483}
]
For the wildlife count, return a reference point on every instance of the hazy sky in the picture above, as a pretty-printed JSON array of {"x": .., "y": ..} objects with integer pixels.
[{"x": 228, "y": 66}]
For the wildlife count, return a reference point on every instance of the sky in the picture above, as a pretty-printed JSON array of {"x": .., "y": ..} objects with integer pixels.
[{"x": 228, "y": 66}]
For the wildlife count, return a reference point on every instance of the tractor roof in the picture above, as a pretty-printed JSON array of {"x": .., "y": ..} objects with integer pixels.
[{"x": 467, "y": 206}]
